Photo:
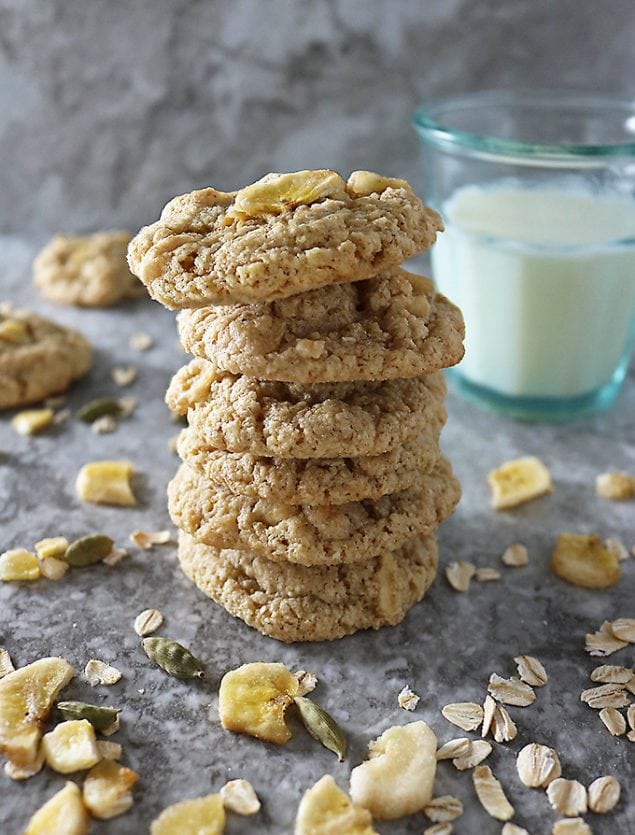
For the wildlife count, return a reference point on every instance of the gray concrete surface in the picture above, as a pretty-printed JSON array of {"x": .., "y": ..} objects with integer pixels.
[{"x": 445, "y": 649}]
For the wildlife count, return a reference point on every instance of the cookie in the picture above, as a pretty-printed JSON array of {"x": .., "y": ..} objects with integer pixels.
[
  {"x": 289, "y": 420},
  {"x": 285, "y": 234},
  {"x": 315, "y": 481},
  {"x": 306, "y": 534},
  {"x": 297, "y": 603},
  {"x": 37, "y": 357},
  {"x": 393, "y": 325},
  {"x": 88, "y": 271}
]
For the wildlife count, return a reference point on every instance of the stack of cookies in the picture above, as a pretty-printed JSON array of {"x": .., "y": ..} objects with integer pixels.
[{"x": 312, "y": 481}]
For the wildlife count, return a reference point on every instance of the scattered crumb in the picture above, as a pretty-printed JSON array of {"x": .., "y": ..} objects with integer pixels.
[
  {"x": 458, "y": 574},
  {"x": 98, "y": 672},
  {"x": 515, "y": 555},
  {"x": 124, "y": 375},
  {"x": 104, "y": 425},
  {"x": 407, "y": 699},
  {"x": 148, "y": 539},
  {"x": 486, "y": 574},
  {"x": 141, "y": 341}
]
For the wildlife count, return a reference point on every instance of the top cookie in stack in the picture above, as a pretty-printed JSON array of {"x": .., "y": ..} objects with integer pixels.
[
  {"x": 312, "y": 481},
  {"x": 283, "y": 235}
]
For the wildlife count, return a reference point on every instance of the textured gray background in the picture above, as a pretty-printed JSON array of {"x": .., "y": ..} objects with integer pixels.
[
  {"x": 107, "y": 109},
  {"x": 110, "y": 107}
]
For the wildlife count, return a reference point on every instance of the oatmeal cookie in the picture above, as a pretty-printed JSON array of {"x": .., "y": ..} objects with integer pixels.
[
  {"x": 315, "y": 481},
  {"x": 88, "y": 271},
  {"x": 297, "y": 603},
  {"x": 37, "y": 357},
  {"x": 393, "y": 325},
  {"x": 308, "y": 534},
  {"x": 279, "y": 237},
  {"x": 288, "y": 420}
]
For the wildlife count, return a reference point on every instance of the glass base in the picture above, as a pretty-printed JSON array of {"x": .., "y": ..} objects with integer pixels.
[{"x": 534, "y": 409}]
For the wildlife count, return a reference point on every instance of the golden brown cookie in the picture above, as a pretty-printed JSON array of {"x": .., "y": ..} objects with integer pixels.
[
  {"x": 296, "y": 603},
  {"x": 88, "y": 271},
  {"x": 393, "y": 325},
  {"x": 315, "y": 481},
  {"x": 307, "y": 534},
  {"x": 285, "y": 234},
  {"x": 289, "y": 420},
  {"x": 37, "y": 357}
]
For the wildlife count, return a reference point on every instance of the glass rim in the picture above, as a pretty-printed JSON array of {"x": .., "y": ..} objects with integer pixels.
[{"x": 428, "y": 121}]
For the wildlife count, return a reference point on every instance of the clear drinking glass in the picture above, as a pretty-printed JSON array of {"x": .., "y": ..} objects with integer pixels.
[{"x": 537, "y": 194}]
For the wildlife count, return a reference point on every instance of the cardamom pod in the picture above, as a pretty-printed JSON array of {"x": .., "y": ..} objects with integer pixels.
[
  {"x": 100, "y": 717},
  {"x": 321, "y": 726},
  {"x": 99, "y": 408},
  {"x": 88, "y": 550},
  {"x": 172, "y": 657}
]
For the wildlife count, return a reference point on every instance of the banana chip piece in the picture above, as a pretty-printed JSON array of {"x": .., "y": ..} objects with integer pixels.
[
  {"x": 519, "y": 481},
  {"x": 584, "y": 561}
]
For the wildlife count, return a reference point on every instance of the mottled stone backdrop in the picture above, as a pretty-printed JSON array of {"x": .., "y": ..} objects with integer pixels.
[{"x": 110, "y": 107}]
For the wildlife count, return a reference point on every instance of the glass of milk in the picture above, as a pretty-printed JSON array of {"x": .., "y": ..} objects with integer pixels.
[{"x": 537, "y": 194}]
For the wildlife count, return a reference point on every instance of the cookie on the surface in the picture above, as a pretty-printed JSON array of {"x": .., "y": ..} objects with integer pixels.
[
  {"x": 309, "y": 534},
  {"x": 87, "y": 270},
  {"x": 283, "y": 235},
  {"x": 290, "y": 420},
  {"x": 298, "y": 603},
  {"x": 37, "y": 357},
  {"x": 393, "y": 325},
  {"x": 315, "y": 481}
]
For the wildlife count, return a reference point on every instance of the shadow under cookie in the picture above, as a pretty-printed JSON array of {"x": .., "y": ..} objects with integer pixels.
[{"x": 297, "y": 603}]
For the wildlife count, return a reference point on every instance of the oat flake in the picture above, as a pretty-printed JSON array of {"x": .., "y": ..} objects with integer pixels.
[
  {"x": 443, "y": 809},
  {"x": 459, "y": 573},
  {"x": 459, "y": 747},
  {"x": 490, "y": 792},
  {"x": 567, "y": 797},
  {"x": 531, "y": 670},
  {"x": 479, "y": 751},
  {"x": 465, "y": 715},
  {"x": 613, "y": 721}
]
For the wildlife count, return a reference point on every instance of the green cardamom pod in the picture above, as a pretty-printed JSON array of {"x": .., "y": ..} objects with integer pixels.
[
  {"x": 88, "y": 550},
  {"x": 101, "y": 407},
  {"x": 99, "y": 717},
  {"x": 172, "y": 657},
  {"x": 321, "y": 726}
]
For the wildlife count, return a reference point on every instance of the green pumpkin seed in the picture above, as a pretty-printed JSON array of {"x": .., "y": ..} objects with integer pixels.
[
  {"x": 88, "y": 550},
  {"x": 99, "y": 717},
  {"x": 321, "y": 726},
  {"x": 172, "y": 657},
  {"x": 101, "y": 407}
]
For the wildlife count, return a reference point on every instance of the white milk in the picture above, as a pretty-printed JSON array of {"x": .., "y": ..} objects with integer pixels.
[{"x": 547, "y": 293}]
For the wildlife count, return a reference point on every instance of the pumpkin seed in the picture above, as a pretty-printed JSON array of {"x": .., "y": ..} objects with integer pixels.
[
  {"x": 99, "y": 408},
  {"x": 88, "y": 550}
]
